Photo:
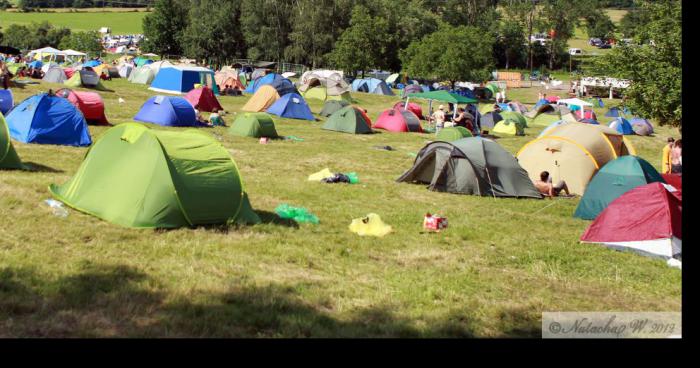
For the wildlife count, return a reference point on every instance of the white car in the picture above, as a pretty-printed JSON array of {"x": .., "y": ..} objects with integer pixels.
[{"x": 575, "y": 51}]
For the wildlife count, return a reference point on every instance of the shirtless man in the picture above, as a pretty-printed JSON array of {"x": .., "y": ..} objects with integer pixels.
[{"x": 544, "y": 186}]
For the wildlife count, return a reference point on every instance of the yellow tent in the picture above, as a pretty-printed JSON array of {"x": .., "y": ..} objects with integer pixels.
[
  {"x": 262, "y": 99},
  {"x": 573, "y": 152}
]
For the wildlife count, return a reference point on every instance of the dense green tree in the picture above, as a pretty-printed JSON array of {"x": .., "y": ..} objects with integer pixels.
[
  {"x": 361, "y": 45},
  {"x": 34, "y": 36},
  {"x": 511, "y": 43},
  {"x": 214, "y": 33},
  {"x": 526, "y": 14},
  {"x": 654, "y": 68},
  {"x": 164, "y": 26},
  {"x": 559, "y": 19},
  {"x": 266, "y": 26},
  {"x": 442, "y": 56},
  {"x": 88, "y": 42},
  {"x": 631, "y": 21},
  {"x": 599, "y": 24},
  {"x": 479, "y": 13}
]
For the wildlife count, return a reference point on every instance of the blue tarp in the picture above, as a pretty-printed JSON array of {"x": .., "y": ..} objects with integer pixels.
[
  {"x": 45, "y": 119},
  {"x": 167, "y": 111},
  {"x": 181, "y": 80},
  {"x": 291, "y": 106},
  {"x": 622, "y": 126},
  {"x": 92, "y": 63},
  {"x": 7, "y": 101},
  {"x": 36, "y": 64}
]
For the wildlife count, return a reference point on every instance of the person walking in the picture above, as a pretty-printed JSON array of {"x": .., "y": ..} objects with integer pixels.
[{"x": 666, "y": 156}]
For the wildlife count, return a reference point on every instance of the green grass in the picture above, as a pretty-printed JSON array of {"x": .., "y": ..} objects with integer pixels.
[
  {"x": 121, "y": 22},
  {"x": 500, "y": 264}
]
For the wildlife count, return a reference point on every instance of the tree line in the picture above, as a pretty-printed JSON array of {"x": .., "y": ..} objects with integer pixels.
[{"x": 36, "y": 4}]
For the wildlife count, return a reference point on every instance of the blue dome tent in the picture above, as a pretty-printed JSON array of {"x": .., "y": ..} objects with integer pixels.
[
  {"x": 278, "y": 82},
  {"x": 48, "y": 119},
  {"x": 622, "y": 126},
  {"x": 372, "y": 85},
  {"x": 181, "y": 79},
  {"x": 167, "y": 111},
  {"x": 291, "y": 106},
  {"x": 92, "y": 63},
  {"x": 7, "y": 101}
]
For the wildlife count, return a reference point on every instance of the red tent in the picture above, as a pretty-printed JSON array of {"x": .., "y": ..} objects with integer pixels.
[
  {"x": 412, "y": 107},
  {"x": 69, "y": 72},
  {"x": 552, "y": 99},
  {"x": 89, "y": 103},
  {"x": 398, "y": 120},
  {"x": 673, "y": 180},
  {"x": 204, "y": 98},
  {"x": 646, "y": 219}
]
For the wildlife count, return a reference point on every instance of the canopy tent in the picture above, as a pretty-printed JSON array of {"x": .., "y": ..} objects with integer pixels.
[
  {"x": 253, "y": 124},
  {"x": 399, "y": 121},
  {"x": 50, "y": 52},
  {"x": 167, "y": 111},
  {"x": 203, "y": 98},
  {"x": 70, "y": 52},
  {"x": 48, "y": 119},
  {"x": 474, "y": 165},
  {"x": 613, "y": 180},
  {"x": 142, "y": 178},
  {"x": 263, "y": 98},
  {"x": 9, "y": 160},
  {"x": 291, "y": 106},
  {"x": 90, "y": 105},
  {"x": 573, "y": 153},
  {"x": 349, "y": 119},
  {"x": 182, "y": 79},
  {"x": 442, "y": 96},
  {"x": 646, "y": 220}
]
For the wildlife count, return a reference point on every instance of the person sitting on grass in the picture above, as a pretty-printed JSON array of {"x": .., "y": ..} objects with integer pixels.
[
  {"x": 544, "y": 186},
  {"x": 215, "y": 119}
]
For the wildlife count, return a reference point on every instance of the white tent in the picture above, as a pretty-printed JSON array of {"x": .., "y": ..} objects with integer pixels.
[
  {"x": 70, "y": 52},
  {"x": 52, "y": 53},
  {"x": 575, "y": 102}
]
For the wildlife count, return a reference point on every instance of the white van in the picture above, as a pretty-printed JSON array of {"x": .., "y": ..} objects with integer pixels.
[{"x": 575, "y": 51}]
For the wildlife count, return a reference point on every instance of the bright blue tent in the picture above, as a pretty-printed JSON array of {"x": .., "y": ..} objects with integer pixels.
[
  {"x": 540, "y": 103},
  {"x": 179, "y": 79},
  {"x": 92, "y": 63},
  {"x": 278, "y": 82},
  {"x": 291, "y": 106},
  {"x": 36, "y": 64},
  {"x": 7, "y": 101},
  {"x": 622, "y": 126},
  {"x": 167, "y": 111},
  {"x": 371, "y": 85},
  {"x": 45, "y": 119}
]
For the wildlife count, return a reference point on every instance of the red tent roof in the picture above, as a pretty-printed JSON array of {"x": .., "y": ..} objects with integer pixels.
[
  {"x": 648, "y": 212},
  {"x": 412, "y": 107},
  {"x": 89, "y": 103},
  {"x": 674, "y": 180},
  {"x": 394, "y": 120},
  {"x": 204, "y": 98}
]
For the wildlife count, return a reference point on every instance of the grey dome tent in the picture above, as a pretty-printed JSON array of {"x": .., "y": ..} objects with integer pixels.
[
  {"x": 474, "y": 165},
  {"x": 55, "y": 74}
]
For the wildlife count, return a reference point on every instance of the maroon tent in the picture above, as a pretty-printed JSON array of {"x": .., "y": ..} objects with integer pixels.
[
  {"x": 89, "y": 103},
  {"x": 412, "y": 107},
  {"x": 646, "y": 219}
]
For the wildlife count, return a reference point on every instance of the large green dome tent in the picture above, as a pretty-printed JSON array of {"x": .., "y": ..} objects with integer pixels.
[
  {"x": 332, "y": 106},
  {"x": 8, "y": 156},
  {"x": 349, "y": 119},
  {"x": 253, "y": 124},
  {"x": 142, "y": 178}
]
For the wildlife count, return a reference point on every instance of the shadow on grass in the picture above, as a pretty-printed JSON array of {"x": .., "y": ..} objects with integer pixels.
[
  {"x": 274, "y": 219},
  {"x": 35, "y": 167},
  {"x": 104, "y": 300}
]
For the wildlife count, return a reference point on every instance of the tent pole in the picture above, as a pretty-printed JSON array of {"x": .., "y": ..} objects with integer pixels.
[{"x": 405, "y": 106}]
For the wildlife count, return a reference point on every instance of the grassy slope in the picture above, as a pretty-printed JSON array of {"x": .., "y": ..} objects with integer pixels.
[
  {"x": 499, "y": 265},
  {"x": 121, "y": 22}
]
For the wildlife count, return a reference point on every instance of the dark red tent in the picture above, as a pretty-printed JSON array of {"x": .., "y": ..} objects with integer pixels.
[
  {"x": 412, "y": 107},
  {"x": 204, "y": 99},
  {"x": 89, "y": 103},
  {"x": 552, "y": 99},
  {"x": 645, "y": 219},
  {"x": 673, "y": 180}
]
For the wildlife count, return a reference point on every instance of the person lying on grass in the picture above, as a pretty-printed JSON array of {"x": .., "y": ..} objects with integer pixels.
[
  {"x": 215, "y": 119},
  {"x": 544, "y": 186}
]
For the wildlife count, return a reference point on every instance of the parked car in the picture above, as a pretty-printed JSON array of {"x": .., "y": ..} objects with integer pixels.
[
  {"x": 595, "y": 42},
  {"x": 575, "y": 51},
  {"x": 604, "y": 46}
]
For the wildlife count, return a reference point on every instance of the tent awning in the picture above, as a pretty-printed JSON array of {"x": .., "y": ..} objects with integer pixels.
[
  {"x": 70, "y": 52},
  {"x": 575, "y": 101},
  {"x": 443, "y": 96}
]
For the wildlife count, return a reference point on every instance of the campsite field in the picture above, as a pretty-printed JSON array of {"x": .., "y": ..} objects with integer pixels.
[
  {"x": 499, "y": 265},
  {"x": 121, "y": 21}
]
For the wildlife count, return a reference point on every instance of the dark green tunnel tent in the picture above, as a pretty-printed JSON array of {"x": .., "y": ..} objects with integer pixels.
[
  {"x": 8, "y": 156},
  {"x": 349, "y": 119},
  {"x": 473, "y": 165},
  {"x": 253, "y": 124},
  {"x": 142, "y": 178}
]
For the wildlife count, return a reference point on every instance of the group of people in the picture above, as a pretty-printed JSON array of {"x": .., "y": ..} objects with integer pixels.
[
  {"x": 672, "y": 157},
  {"x": 443, "y": 119},
  {"x": 215, "y": 118}
]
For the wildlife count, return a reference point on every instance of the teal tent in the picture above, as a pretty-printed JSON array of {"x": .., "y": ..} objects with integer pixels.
[{"x": 614, "y": 179}]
